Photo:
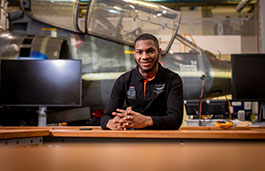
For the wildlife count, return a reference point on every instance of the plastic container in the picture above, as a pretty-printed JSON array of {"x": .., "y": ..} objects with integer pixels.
[{"x": 241, "y": 115}]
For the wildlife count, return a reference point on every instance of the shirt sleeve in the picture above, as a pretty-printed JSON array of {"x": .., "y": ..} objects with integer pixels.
[
  {"x": 174, "y": 114},
  {"x": 116, "y": 101}
]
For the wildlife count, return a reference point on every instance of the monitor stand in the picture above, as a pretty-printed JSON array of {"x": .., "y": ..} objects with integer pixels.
[
  {"x": 262, "y": 111},
  {"x": 42, "y": 121}
]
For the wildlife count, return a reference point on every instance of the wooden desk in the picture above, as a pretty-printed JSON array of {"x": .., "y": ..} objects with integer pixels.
[
  {"x": 184, "y": 133},
  {"x": 246, "y": 151}
]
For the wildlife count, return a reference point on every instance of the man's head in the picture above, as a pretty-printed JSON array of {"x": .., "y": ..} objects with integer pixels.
[
  {"x": 147, "y": 36},
  {"x": 147, "y": 53}
]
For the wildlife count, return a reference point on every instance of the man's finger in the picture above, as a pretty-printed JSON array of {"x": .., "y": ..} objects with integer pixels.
[
  {"x": 129, "y": 117},
  {"x": 115, "y": 120},
  {"x": 127, "y": 111},
  {"x": 120, "y": 110},
  {"x": 130, "y": 125},
  {"x": 121, "y": 126},
  {"x": 121, "y": 121},
  {"x": 118, "y": 114}
]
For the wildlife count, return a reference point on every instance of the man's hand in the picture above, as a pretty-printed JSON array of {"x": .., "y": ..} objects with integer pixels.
[
  {"x": 132, "y": 119},
  {"x": 116, "y": 123}
]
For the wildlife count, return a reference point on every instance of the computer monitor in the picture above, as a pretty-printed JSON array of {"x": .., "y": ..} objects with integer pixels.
[
  {"x": 193, "y": 107},
  {"x": 248, "y": 77},
  {"x": 41, "y": 83},
  {"x": 217, "y": 107}
]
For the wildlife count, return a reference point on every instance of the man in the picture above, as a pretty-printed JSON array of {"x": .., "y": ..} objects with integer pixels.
[{"x": 153, "y": 95}]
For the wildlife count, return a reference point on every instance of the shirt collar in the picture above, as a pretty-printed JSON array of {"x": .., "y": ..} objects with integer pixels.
[{"x": 140, "y": 78}]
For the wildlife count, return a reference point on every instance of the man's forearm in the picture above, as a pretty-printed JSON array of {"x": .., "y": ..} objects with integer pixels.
[
  {"x": 104, "y": 121},
  {"x": 149, "y": 121}
]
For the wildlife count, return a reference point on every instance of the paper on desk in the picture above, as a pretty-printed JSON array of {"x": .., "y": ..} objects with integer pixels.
[{"x": 243, "y": 124}]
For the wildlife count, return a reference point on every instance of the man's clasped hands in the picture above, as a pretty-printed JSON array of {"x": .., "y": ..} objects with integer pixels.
[{"x": 128, "y": 118}]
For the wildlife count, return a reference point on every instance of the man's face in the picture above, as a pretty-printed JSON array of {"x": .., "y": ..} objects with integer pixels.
[{"x": 146, "y": 55}]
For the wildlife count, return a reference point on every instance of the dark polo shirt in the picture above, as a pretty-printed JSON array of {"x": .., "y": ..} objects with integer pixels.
[{"x": 161, "y": 98}]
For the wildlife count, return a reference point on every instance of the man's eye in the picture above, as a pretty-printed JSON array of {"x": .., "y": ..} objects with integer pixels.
[{"x": 151, "y": 51}]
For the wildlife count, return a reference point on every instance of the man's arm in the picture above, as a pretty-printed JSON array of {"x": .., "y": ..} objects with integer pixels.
[
  {"x": 116, "y": 101},
  {"x": 174, "y": 116}
]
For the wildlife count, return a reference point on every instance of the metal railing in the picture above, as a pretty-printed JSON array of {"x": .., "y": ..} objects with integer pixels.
[{"x": 211, "y": 26}]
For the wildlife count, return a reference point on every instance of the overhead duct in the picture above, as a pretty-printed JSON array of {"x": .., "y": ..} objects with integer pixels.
[{"x": 242, "y": 5}]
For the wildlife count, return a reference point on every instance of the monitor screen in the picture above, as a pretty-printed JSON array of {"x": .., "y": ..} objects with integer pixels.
[
  {"x": 209, "y": 107},
  {"x": 248, "y": 77},
  {"x": 41, "y": 82},
  {"x": 217, "y": 107},
  {"x": 193, "y": 107}
]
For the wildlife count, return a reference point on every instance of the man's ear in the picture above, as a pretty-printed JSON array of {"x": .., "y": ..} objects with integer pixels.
[
  {"x": 134, "y": 53},
  {"x": 159, "y": 52}
]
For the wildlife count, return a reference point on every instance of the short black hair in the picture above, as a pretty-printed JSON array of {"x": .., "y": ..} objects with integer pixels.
[{"x": 147, "y": 36}]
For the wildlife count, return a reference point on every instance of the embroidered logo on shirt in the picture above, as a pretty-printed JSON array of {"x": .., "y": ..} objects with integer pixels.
[
  {"x": 159, "y": 88},
  {"x": 131, "y": 93}
]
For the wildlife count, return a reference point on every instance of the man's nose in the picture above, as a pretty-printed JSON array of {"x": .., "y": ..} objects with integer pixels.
[{"x": 145, "y": 55}]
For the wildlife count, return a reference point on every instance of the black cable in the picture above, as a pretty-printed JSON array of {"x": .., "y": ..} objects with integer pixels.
[{"x": 201, "y": 96}]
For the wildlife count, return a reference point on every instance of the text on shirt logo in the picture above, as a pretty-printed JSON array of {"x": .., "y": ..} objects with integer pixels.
[
  {"x": 131, "y": 93},
  {"x": 159, "y": 88}
]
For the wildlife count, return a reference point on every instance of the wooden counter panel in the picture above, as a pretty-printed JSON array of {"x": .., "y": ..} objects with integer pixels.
[
  {"x": 224, "y": 134},
  {"x": 96, "y": 132},
  {"x": 23, "y": 133},
  {"x": 216, "y": 128},
  {"x": 186, "y": 134},
  {"x": 47, "y": 127}
]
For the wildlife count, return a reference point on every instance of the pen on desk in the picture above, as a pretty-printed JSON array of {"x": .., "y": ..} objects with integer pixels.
[{"x": 126, "y": 113}]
